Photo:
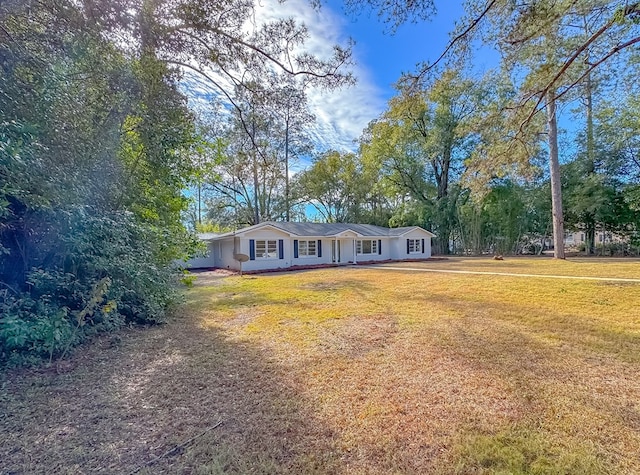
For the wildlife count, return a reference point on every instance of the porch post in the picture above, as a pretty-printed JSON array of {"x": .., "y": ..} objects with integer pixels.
[{"x": 355, "y": 257}]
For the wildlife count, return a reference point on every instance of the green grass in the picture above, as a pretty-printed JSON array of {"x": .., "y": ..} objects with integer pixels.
[
  {"x": 576, "y": 266},
  {"x": 354, "y": 370},
  {"x": 523, "y": 451}
]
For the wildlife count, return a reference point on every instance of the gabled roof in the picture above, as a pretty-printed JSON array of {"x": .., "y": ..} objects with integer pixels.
[
  {"x": 207, "y": 236},
  {"x": 328, "y": 229}
]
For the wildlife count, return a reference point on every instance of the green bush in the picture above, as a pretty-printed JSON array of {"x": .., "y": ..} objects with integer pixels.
[
  {"x": 93, "y": 162},
  {"x": 108, "y": 275},
  {"x": 616, "y": 249}
]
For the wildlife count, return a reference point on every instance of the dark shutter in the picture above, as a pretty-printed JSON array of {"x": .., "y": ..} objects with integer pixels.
[
  {"x": 379, "y": 247},
  {"x": 252, "y": 249},
  {"x": 295, "y": 248},
  {"x": 423, "y": 246},
  {"x": 281, "y": 248},
  {"x": 319, "y": 248},
  {"x": 407, "y": 246}
]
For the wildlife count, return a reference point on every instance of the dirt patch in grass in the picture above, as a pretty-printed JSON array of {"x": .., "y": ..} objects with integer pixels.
[
  {"x": 329, "y": 286},
  {"x": 244, "y": 316},
  {"x": 205, "y": 278},
  {"x": 356, "y": 336}
]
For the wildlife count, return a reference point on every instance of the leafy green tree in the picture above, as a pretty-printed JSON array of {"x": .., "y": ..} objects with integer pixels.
[
  {"x": 288, "y": 105},
  {"x": 333, "y": 185},
  {"x": 205, "y": 154},
  {"x": 423, "y": 141},
  {"x": 88, "y": 228},
  {"x": 97, "y": 147},
  {"x": 553, "y": 45},
  {"x": 252, "y": 173}
]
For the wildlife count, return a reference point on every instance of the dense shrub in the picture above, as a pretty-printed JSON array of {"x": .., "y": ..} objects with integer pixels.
[
  {"x": 93, "y": 162},
  {"x": 106, "y": 274}
]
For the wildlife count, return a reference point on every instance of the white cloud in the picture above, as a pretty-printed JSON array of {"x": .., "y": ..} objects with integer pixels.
[{"x": 342, "y": 114}]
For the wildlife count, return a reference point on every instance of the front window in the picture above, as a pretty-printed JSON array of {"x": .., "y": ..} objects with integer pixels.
[
  {"x": 307, "y": 248},
  {"x": 415, "y": 246},
  {"x": 266, "y": 250},
  {"x": 367, "y": 246}
]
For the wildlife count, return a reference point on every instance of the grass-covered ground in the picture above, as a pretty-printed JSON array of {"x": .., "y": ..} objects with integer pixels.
[{"x": 353, "y": 370}]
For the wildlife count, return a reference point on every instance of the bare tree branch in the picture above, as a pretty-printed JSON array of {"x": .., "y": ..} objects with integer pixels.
[
  {"x": 542, "y": 93},
  {"x": 455, "y": 40}
]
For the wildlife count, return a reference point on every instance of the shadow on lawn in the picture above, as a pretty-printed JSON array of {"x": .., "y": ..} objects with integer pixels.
[
  {"x": 125, "y": 402},
  {"x": 568, "y": 373}
]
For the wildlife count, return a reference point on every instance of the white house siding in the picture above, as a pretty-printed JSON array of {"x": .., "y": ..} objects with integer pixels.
[
  {"x": 383, "y": 243},
  {"x": 346, "y": 250},
  {"x": 224, "y": 254},
  {"x": 301, "y": 260},
  {"x": 393, "y": 247},
  {"x": 399, "y": 246},
  {"x": 208, "y": 260},
  {"x": 266, "y": 234}
]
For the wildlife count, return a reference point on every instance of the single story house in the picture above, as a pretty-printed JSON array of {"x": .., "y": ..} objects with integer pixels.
[
  {"x": 279, "y": 245},
  {"x": 578, "y": 238}
]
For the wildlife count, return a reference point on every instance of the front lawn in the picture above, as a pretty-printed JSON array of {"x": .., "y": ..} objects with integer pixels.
[{"x": 353, "y": 370}]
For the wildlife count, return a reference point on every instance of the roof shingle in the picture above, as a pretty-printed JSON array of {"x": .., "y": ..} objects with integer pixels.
[{"x": 329, "y": 229}]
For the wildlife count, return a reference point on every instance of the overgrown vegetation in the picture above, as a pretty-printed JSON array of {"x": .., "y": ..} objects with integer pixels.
[
  {"x": 91, "y": 181},
  {"x": 98, "y": 144}
]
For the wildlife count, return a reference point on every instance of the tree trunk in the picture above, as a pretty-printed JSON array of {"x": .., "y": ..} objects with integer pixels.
[
  {"x": 256, "y": 183},
  {"x": 590, "y": 238},
  {"x": 590, "y": 225},
  {"x": 199, "y": 203},
  {"x": 286, "y": 172},
  {"x": 554, "y": 175}
]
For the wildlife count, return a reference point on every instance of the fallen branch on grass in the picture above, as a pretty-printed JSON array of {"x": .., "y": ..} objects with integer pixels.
[{"x": 176, "y": 448}]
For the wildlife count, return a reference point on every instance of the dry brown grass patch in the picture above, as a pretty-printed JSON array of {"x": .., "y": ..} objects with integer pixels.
[{"x": 350, "y": 371}]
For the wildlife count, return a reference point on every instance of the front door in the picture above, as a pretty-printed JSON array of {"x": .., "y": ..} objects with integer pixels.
[{"x": 335, "y": 251}]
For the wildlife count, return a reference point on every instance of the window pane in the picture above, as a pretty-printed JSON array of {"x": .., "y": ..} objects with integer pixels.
[
  {"x": 366, "y": 247},
  {"x": 306, "y": 248},
  {"x": 374, "y": 247},
  {"x": 273, "y": 245},
  {"x": 266, "y": 249},
  {"x": 359, "y": 247}
]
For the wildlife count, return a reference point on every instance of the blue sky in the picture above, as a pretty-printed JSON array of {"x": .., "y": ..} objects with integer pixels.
[
  {"x": 381, "y": 58},
  {"x": 387, "y": 55}
]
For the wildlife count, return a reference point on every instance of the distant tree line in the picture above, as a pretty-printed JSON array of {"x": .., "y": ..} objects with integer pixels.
[{"x": 487, "y": 163}]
